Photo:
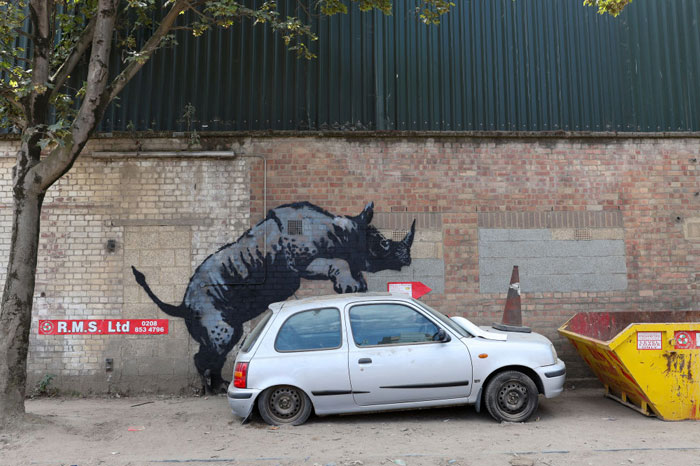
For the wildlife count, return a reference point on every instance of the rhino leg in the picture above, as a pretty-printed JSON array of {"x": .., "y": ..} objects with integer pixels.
[
  {"x": 337, "y": 271},
  {"x": 209, "y": 364},
  {"x": 218, "y": 340}
]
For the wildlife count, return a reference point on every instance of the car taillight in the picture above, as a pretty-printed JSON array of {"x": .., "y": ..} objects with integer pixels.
[{"x": 240, "y": 375}]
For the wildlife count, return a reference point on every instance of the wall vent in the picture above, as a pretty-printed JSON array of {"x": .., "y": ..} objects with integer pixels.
[
  {"x": 582, "y": 234},
  {"x": 294, "y": 227},
  {"x": 398, "y": 235}
]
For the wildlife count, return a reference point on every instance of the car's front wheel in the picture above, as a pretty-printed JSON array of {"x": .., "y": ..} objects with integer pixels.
[
  {"x": 284, "y": 405},
  {"x": 511, "y": 396}
]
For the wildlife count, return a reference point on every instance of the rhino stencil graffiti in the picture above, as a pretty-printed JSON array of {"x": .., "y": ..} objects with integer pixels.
[{"x": 266, "y": 264}]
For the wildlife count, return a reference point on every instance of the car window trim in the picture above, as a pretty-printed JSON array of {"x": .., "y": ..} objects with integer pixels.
[
  {"x": 402, "y": 303},
  {"x": 269, "y": 320},
  {"x": 429, "y": 310},
  {"x": 340, "y": 318}
]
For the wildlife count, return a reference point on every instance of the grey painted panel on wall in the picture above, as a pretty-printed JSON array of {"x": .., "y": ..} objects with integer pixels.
[
  {"x": 551, "y": 248},
  {"x": 548, "y": 265},
  {"x": 430, "y": 272}
]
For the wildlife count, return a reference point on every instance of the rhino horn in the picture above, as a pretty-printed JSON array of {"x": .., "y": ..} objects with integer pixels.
[
  {"x": 366, "y": 216},
  {"x": 408, "y": 239}
]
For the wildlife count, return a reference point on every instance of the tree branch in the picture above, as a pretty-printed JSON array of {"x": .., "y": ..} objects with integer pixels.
[
  {"x": 37, "y": 101},
  {"x": 22, "y": 59},
  {"x": 22, "y": 33},
  {"x": 11, "y": 72},
  {"x": 59, "y": 78},
  {"x": 193, "y": 8},
  {"x": 12, "y": 100},
  {"x": 145, "y": 54},
  {"x": 61, "y": 159}
]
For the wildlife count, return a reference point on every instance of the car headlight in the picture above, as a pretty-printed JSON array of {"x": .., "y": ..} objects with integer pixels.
[{"x": 554, "y": 353}]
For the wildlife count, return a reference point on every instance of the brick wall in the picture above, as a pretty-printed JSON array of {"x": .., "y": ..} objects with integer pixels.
[
  {"x": 652, "y": 185},
  {"x": 168, "y": 213}
]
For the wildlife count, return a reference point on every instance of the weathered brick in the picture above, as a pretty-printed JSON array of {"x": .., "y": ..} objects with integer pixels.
[{"x": 632, "y": 191}]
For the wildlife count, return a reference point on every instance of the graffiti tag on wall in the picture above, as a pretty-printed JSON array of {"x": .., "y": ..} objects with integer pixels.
[{"x": 266, "y": 264}]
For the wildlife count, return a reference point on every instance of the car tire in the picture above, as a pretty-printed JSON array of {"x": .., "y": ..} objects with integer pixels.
[
  {"x": 284, "y": 404},
  {"x": 511, "y": 396}
]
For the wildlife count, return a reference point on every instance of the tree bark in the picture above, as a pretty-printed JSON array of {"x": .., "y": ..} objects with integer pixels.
[
  {"x": 32, "y": 177},
  {"x": 16, "y": 311}
]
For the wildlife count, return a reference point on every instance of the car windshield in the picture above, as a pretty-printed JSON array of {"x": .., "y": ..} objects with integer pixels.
[
  {"x": 253, "y": 336},
  {"x": 444, "y": 319}
]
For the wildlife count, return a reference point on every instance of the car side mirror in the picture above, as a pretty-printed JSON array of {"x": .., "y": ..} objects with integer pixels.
[{"x": 442, "y": 336}]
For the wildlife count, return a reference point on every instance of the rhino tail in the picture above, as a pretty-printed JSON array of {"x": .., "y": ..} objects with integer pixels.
[{"x": 175, "y": 311}]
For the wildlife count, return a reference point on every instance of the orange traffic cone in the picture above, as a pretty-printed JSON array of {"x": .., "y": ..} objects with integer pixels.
[{"x": 512, "y": 315}]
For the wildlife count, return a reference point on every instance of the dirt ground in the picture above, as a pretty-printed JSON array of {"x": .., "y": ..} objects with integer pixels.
[{"x": 579, "y": 427}]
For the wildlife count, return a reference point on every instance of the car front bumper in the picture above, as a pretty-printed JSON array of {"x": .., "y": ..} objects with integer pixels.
[
  {"x": 552, "y": 377},
  {"x": 242, "y": 400}
]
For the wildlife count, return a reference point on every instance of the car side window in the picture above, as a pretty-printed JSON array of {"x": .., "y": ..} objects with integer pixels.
[
  {"x": 310, "y": 330},
  {"x": 253, "y": 337},
  {"x": 389, "y": 324}
]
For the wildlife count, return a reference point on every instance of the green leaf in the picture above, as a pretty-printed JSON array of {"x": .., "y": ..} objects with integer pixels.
[
  {"x": 611, "y": 7},
  {"x": 43, "y": 143}
]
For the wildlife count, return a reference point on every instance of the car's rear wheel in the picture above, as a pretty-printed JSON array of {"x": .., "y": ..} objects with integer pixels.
[
  {"x": 511, "y": 396},
  {"x": 284, "y": 404}
]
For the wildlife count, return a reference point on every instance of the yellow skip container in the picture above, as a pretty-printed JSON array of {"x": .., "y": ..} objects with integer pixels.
[{"x": 649, "y": 361}]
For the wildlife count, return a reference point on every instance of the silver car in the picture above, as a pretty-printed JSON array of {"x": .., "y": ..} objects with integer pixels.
[{"x": 362, "y": 352}]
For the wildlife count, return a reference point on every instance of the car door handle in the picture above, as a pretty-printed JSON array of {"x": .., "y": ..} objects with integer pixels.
[{"x": 364, "y": 361}]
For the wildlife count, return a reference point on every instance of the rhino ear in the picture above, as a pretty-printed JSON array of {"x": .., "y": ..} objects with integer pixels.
[
  {"x": 366, "y": 215},
  {"x": 408, "y": 239}
]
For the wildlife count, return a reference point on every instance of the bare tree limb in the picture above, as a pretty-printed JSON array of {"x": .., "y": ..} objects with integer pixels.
[
  {"x": 22, "y": 59},
  {"x": 193, "y": 8},
  {"x": 146, "y": 51},
  {"x": 22, "y": 33},
  {"x": 61, "y": 159},
  {"x": 36, "y": 103},
  {"x": 61, "y": 75},
  {"x": 195, "y": 3},
  {"x": 306, "y": 10}
]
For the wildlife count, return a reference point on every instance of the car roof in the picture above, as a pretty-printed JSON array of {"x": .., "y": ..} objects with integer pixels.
[{"x": 334, "y": 300}]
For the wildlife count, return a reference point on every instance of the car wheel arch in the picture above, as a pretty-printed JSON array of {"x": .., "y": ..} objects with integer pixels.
[
  {"x": 255, "y": 400},
  {"x": 524, "y": 369}
]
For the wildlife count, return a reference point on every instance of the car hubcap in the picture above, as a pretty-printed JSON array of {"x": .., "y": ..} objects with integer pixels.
[
  {"x": 285, "y": 403},
  {"x": 512, "y": 397}
]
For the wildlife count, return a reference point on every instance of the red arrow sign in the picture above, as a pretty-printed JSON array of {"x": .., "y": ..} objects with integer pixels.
[{"x": 412, "y": 289}]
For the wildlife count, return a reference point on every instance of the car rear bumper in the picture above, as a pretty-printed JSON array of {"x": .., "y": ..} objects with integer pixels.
[
  {"x": 242, "y": 400},
  {"x": 552, "y": 378}
]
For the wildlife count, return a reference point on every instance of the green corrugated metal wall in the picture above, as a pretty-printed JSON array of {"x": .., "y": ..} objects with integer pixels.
[{"x": 509, "y": 65}]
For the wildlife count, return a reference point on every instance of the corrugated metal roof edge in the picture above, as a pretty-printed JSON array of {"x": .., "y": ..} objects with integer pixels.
[{"x": 397, "y": 134}]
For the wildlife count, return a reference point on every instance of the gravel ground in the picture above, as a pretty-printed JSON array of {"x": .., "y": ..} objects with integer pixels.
[{"x": 579, "y": 427}]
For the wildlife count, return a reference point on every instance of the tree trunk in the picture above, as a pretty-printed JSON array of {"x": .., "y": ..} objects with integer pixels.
[
  {"x": 16, "y": 311},
  {"x": 32, "y": 176}
]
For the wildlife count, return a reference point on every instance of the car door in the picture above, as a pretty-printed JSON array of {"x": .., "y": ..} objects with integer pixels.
[
  {"x": 310, "y": 353},
  {"x": 394, "y": 358}
]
